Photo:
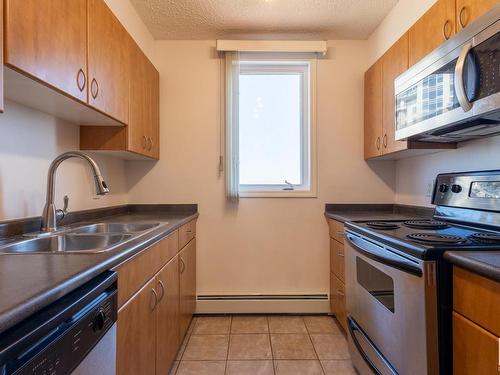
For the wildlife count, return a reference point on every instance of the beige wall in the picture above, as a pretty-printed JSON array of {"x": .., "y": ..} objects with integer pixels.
[
  {"x": 414, "y": 174},
  {"x": 260, "y": 245},
  {"x": 31, "y": 139},
  {"x": 396, "y": 23}
]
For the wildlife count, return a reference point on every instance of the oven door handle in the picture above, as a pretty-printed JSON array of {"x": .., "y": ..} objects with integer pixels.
[
  {"x": 386, "y": 257},
  {"x": 373, "y": 358}
]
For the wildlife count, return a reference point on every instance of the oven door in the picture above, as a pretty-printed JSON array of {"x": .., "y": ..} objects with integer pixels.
[{"x": 391, "y": 307}]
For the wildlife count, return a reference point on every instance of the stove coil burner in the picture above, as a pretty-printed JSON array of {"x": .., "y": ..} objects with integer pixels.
[
  {"x": 491, "y": 238},
  {"x": 382, "y": 225},
  {"x": 426, "y": 224},
  {"x": 435, "y": 238}
]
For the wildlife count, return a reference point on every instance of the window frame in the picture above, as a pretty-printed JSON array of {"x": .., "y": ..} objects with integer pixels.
[{"x": 306, "y": 67}]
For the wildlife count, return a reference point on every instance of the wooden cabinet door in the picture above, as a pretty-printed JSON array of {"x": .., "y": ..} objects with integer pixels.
[
  {"x": 136, "y": 333},
  {"x": 143, "y": 126},
  {"x": 475, "y": 350},
  {"x": 167, "y": 316},
  {"x": 337, "y": 263},
  {"x": 373, "y": 110},
  {"x": 394, "y": 62},
  {"x": 469, "y": 10},
  {"x": 154, "y": 107},
  {"x": 432, "y": 29},
  {"x": 108, "y": 64},
  {"x": 139, "y": 114},
  {"x": 47, "y": 39},
  {"x": 187, "y": 286},
  {"x": 337, "y": 300}
]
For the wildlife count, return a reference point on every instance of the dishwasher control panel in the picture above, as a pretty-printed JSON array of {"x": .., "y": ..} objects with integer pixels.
[{"x": 80, "y": 334}]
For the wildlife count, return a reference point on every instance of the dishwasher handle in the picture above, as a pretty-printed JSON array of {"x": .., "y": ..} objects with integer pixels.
[{"x": 383, "y": 255}]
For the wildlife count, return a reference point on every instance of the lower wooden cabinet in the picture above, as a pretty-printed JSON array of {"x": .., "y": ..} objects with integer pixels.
[
  {"x": 475, "y": 350},
  {"x": 337, "y": 300},
  {"x": 154, "y": 318},
  {"x": 337, "y": 263},
  {"x": 136, "y": 333},
  {"x": 187, "y": 286},
  {"x": 167, "y": 316},
  {"x": 337, "y": 272},
  {"x": 476, "y": 324}
]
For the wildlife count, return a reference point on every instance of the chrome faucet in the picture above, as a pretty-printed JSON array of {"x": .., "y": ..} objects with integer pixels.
[{"x": 49, "y": 216}]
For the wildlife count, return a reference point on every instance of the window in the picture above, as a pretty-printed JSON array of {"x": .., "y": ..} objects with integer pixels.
[{"x": 275, "y": 128}]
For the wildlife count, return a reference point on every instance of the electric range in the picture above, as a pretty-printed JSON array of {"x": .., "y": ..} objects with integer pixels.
[
  {"x": 429, "y": 238},
  {"x": 399, "y": 289}
]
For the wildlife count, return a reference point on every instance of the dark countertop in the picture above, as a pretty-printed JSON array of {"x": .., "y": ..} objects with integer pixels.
[
  {"x": 367, "y": 212},
  {"x": 29, "y": 282},
  {"x": 485, "y": 263}
]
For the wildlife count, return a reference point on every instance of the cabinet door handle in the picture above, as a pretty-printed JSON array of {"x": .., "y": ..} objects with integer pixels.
[
  {"x": 340, "y": 254},
  {"x": 446, "y": 35},
  {"x": 155, "y": 299},
  {"x": 81, "y": 79},
  {"x": 183, "y": 265},
  {"x": 385, "y": 140},
  {"x": 94, "y": 88},
  {"x": 340, "y": 293},
  {"x": 378, "y": 143},
  {"x": 160, "y": 284},
  {"x": 150, "y": 142},
  {"x": 460, "y": 17},
  {"x": 144, "y": 142}
]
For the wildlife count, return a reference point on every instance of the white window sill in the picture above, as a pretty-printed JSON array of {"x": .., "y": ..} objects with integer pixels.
[{"x": 278, "y": 194}]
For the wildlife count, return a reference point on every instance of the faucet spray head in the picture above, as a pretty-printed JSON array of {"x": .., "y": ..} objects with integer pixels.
[{"x": 100, "y": 185}]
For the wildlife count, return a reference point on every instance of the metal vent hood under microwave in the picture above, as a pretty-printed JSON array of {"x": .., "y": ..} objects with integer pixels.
[{"x": 453, "y": 94}]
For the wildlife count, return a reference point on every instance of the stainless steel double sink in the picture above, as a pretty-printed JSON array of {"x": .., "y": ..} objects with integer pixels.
[{"x": 92, "y": 238}]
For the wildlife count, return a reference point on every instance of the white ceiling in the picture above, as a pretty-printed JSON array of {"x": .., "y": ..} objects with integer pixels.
[{"x": 260, "y": 19}]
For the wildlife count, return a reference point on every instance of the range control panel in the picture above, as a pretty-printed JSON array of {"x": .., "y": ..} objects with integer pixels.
[
  {"x": 81, "y": 333},
  {"x": 476, "y": 190}
]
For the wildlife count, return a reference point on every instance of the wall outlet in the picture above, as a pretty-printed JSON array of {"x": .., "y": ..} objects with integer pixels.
[{"x": 430, "y": 188}]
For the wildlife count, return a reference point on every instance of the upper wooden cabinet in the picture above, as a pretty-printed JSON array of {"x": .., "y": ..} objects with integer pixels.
[
  {"x": 47, "y": 39},
  {"x": 469, "y": 10},
  {"x": 142, "y": 134},
  {"x": 59, "y": 51},
  {"x": 143, "y": 129},
  {"x": 373, "y": 110},
  {"x": 436, "y": 26},
  {"x": 394, "y": 62},
  {"x": 108, "y": 51},
  {"x": 432, "y": 29}
]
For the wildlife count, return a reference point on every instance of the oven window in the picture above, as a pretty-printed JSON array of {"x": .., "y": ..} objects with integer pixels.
[
  {"x": 431, "y": 97},
  {"x": 377, "y": 283}
]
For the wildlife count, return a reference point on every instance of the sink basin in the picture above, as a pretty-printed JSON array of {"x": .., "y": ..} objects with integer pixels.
[
  {"x": 66, "y": 243},
  {"x": 115, "y": 228}
]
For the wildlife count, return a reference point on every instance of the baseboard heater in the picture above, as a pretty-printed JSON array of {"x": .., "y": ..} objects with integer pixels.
[{"x": 263, "y": 303}]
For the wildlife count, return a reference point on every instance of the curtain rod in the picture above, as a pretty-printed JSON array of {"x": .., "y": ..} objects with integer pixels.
[{"x": 311, "y": 46}]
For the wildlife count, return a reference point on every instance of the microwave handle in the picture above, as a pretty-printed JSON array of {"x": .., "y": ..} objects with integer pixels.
[
  {"x": 377, "y": 253},
  {"x": 459, "y": 79}
]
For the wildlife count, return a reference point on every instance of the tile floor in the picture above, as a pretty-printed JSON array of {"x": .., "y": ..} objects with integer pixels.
[{"x": 263, "y": 345}]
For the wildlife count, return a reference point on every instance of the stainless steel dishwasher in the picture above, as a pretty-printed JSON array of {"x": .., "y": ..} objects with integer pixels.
[{"x": 74, "y": 335}]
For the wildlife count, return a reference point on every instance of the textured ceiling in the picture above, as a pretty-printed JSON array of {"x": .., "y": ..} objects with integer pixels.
[{"x": 261, "y": 19}]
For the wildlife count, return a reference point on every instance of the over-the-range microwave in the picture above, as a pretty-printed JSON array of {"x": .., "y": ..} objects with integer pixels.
[{"x": 453, "y": 94}]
